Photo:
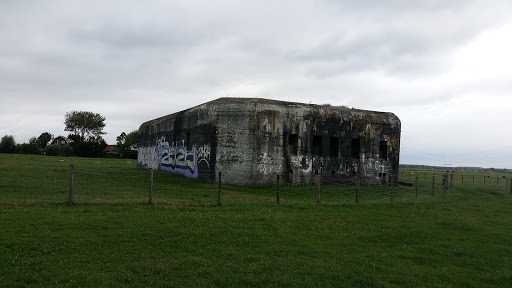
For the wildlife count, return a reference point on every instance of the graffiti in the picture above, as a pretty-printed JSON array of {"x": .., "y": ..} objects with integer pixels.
[
  {"x": 233, "y": 136},
  {"x": 344, "y": 168},
  {"x": 372, "y": 165},
  {"x": 203, "y": 154},
  {"x": 303, "y": 163},
  {"x": 147, "y": 157},
  {"x": 179, "y": 160},
  {"x": 171, "y": 159},
  {"x": 266, "y": 165},
  {"x": 162, "y": 142}
]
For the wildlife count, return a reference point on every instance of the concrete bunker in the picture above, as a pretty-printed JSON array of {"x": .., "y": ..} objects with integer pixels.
[{"x": 251, "y": 140}]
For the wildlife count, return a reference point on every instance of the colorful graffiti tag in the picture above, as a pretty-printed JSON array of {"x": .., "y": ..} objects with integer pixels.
[
  {"x": 171, "y": 159},
  {"x": 179, "y": 160}
]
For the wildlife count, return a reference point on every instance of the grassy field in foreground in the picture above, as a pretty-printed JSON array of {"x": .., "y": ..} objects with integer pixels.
[{"x": 112, "y": 237}]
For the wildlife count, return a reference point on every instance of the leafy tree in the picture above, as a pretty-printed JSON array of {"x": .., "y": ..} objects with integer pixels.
[
  {"x": 74, "y": 138},
  {"x": 86, "y": 128},
  {"x": 121, "y": 139},
  {"x": 124, "y": 141},
  {"x": 44, "y": 139},
  {"x": 92, "y": 147},
  {"x": 33, "y": 146},
  {"x": 7, "y": 144},
  {"x": 84, "y": 124},
  {"x": 132, "y": 138}
]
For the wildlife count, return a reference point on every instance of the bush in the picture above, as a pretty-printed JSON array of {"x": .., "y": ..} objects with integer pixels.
[
  {"x": 67, "y": 150},
  {"x": 28, "y": 149},
  {"x": 53, "y": 150}
]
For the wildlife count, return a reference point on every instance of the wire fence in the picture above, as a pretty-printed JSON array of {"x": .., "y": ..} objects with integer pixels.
[{"x": 83, "y": 185}]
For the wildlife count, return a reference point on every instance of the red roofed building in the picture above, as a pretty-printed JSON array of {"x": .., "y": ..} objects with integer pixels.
[{"x": 60, "y": 140}]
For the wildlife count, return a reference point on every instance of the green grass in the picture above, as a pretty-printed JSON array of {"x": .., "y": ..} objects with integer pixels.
[{"x": 110, "y": 236}]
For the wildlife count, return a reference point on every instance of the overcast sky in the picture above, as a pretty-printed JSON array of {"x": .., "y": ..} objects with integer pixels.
[{"x": 443, "y": 67}]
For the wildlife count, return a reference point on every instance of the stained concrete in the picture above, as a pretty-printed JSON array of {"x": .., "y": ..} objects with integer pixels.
[{"x": 250, "y": 140}]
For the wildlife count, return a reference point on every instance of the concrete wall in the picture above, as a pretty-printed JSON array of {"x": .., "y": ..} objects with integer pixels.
[{"x": 250, "y": 140}]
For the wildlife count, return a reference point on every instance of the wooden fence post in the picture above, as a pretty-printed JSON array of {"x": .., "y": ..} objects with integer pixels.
[
  {"x": 433, "y": 184},
  {"x": 150, "y": 185},
  {"x": 416, "y": 185},
  {"x": 510, "y": 186},
  {"x": 451, "y": 182},
  {"x": 462, "y": 179},
  {"x": 473, "y": 179},
  {"x": 278, "y": 188},
  {"x": 71, "y": 176},
  {"x": 318, "y": 183},
  {"x": 218, "y": 191}
]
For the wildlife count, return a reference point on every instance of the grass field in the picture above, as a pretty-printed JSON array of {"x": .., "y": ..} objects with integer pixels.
[{"x": 110, "y": 236}]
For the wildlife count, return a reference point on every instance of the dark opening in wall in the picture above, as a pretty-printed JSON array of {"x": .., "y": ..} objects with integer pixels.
[
  {"x": 317, "y": 146},
  {"x": 383, "y": 150},
  {"x": 334, "y": 146},
  {"x": 356, "y": 148},
  {"x": 293, "y": 143}
]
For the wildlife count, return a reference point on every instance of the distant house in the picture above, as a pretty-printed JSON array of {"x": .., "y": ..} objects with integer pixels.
[
  {"x": 111, "y": 151},
  {"x": 61, "y": 140}
]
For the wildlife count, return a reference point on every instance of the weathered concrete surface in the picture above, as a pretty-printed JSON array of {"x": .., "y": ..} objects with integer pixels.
[{"x": 251, "y": 140}]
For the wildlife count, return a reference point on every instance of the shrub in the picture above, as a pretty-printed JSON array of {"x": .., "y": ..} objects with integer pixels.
[
  {"x": 53, "y": 150},
  {"x": 67, "y": 150}
]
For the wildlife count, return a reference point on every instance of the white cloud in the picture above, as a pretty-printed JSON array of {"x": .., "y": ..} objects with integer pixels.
[{"x": 441, "y": 66}]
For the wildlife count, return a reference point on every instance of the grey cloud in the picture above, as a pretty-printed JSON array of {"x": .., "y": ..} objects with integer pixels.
[{"x": 133, "y": 61}]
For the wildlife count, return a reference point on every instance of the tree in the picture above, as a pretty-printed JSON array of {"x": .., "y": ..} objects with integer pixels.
[
  {"x": 44, "y": 139},
  {"x": 84, "y": 124},
  {"x": 7, "y": 144},
  {"x": 124, "y": 141},
  {"x": 92, "y": 147},
  {"x": 120, "y": 140},
  {"x": 33, "y": 146}
]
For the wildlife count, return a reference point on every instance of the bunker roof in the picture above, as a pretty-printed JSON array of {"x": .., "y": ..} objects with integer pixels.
[{"x": 257, "y": 102}]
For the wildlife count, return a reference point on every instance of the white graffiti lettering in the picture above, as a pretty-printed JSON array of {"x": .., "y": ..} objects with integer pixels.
[
  {"x": 303, "y": 163},
  {"x": 267, "y": 166},
  {"x": 203, "y": 155},
  {"x": 147, "y": 157}
]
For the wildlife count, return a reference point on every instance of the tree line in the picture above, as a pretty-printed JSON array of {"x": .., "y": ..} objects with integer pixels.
[{"x": 85, "y": 139}]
